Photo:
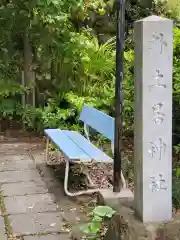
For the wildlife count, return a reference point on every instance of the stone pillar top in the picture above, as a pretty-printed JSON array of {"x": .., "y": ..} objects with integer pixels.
[{"x": 153, "y": 18}]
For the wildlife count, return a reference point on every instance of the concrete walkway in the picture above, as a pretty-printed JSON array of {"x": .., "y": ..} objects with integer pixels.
[{"x": 32, "y": 201}]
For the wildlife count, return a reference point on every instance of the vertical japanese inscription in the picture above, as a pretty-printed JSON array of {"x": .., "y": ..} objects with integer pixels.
[
  {"x": 158, "y": 183},
  {"x": 159, "y": 81},
  {"x": 158, "y": 115},
  {"x": 158, "y": 38},
  {"x": 157, "y": 150}
]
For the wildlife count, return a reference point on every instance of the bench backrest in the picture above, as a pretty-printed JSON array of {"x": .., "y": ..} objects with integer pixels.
[{"x": 99, "y": 121}]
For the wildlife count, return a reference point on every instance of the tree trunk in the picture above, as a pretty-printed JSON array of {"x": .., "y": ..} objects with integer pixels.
[{"x": 28, "y": 74}]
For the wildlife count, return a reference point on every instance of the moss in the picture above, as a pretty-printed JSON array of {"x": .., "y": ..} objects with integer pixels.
[{"x": 8, "y": 228}]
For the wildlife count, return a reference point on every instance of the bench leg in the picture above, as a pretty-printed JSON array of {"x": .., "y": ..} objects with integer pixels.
[
  {"x": 124, "y": 184},
  {"x": 85, "y": 171},
  {"x": 47, "y": 150},
  {"x": 74, "y": 194}
]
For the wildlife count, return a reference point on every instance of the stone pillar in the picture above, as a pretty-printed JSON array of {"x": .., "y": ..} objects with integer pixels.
[{"x": 153, "y": 119}]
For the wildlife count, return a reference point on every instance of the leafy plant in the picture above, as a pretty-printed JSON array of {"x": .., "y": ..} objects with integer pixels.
[
  {"x": 177, "y": 148},
  {"x": 99, "y": 214}
]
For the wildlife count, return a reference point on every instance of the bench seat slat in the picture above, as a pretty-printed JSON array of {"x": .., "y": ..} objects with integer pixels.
[
  {"x": 66, "y": 145},
  {"x": 92, "y": 151}
]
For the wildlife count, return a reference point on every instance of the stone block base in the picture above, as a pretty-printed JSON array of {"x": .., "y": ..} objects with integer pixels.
[{"x": 108, "y": 197}]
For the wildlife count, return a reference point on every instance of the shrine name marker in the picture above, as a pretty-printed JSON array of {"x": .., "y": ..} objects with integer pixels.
[{"x": 153, "y": 119}]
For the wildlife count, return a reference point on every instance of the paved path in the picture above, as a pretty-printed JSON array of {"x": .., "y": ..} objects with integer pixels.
[{"x": 32, "y": 202}]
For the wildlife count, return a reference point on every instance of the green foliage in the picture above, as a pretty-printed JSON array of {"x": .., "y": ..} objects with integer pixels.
[
  {"x": 99, "y": 214},
  {"x": 173, "y": 8},
  {"x": 103, "y": 211},
  {"x": 177, "y": 148},
  {"x": 48, "y": 117},
  {"x": 178, "y": 172},
  {"x": 175, "y": 188},
  {"x": 176, "y": 82},
  {"x": 176, "y": 179},
  {"x": 71, "y": 64}
]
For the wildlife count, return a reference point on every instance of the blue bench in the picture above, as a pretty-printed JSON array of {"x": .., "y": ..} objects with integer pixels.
[{"x": 79, "y": 149}]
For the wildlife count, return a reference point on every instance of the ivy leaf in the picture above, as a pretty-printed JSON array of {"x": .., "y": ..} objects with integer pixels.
[
  {"x": 97, "y": 218},
  {"x": 103, "y": 211},
  {"x": 95, "y": 227},
  {"x": 85, "y": 228}
]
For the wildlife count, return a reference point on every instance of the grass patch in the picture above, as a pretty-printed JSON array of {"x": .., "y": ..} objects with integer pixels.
[{"x": 8, "y": 228}]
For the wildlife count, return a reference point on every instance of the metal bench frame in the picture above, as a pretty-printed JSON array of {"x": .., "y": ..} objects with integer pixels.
[{"x": 83, "y": 168}]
